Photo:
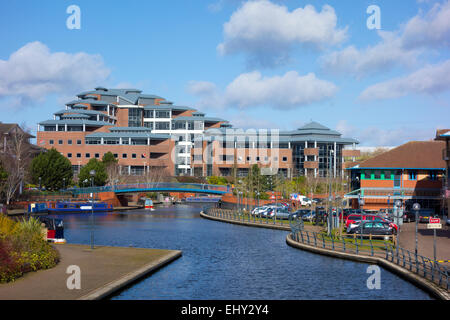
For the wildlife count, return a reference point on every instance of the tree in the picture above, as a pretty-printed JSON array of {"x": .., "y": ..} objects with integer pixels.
[
  {"x": 53, "y": 169},
  {"x": 100, "y": 177},
  {"x": 112, "y": 168},
  {"x": 15, "y": 160}
]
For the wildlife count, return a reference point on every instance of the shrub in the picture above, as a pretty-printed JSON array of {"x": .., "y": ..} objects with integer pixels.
[{"x": 23, "y": 249}]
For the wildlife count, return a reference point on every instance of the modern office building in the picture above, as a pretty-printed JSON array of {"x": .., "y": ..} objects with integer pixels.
[
  {"x": 312, "y": 150},
  {"x": 141, "y": 130},
  {"x": 146, "y": 131},
  {"x": 412, "y": 172}
]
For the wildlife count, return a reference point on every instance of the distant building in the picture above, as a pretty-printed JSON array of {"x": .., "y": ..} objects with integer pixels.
[
  {"x": 312, "y": 150},
  {"x": 7, "y": 133},
  {"x": 412, "y": 172}
]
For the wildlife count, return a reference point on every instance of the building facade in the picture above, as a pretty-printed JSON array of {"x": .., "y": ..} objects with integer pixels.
[
  {"x": 412, "y": 172},
  {"x": 142, "y": 131},
  {"x": 444, "y": 135},
  {"x": 146, "y": 131},
  {"x": 312, "y": 150}
]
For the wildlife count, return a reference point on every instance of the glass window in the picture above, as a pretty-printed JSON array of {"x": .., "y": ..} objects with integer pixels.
[
  {"x": 78, "y": 141},
  {"x": 133, "y": 155},
  {"x": 69, "y": 155},
  {"x": 51, "y": 142},
  {"x": 69, "y": 141},
  {"x": 60, "y": 142},
  {"x": 97, "y": 155},
  {"x": 377, "y": 174},
  {"x": 387, "y": 175},
  {"x": 432, "y": 175},
  {"x": 412, "y": 175},
  {"x": 124, "y": 155},
  {"x": 88, "y": 155},
  {"x": 368, "y": 174},
  {"x": 78, "y": 155}
]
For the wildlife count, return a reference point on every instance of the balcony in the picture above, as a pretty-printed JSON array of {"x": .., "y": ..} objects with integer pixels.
[
  {"x": 311, "y": 165},
  {"x": 311, "y": 152}
]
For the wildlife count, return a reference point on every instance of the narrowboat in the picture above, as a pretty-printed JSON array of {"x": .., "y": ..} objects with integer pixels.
[
  {"x": 38, "y": 208},
  {"x": 149, "y": 204},
  {"x": 55, "y": 229},
  {"x": 79, "y": 207}
]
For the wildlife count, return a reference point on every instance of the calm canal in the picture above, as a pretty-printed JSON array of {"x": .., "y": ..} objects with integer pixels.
[{"x": 226, "y": 262}]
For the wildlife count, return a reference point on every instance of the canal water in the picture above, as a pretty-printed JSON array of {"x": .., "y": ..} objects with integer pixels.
[{"x": 223, "y": 261}]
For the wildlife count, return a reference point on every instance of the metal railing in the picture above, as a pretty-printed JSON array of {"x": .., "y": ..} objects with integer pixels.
[
  {"x": 154, "y": 186},
  {"x": 369, "y": 246},
  {"x": 406, "y": 259},
  {"x": 233, "y": 215}
]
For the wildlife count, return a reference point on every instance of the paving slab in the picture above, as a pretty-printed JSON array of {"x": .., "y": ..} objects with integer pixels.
[{"x": 104, "y": 270}]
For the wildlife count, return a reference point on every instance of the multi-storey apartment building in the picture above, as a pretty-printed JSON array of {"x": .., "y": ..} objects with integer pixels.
[
  {"x": 312, "y": 150},
  {"x": 141, "y": 130}
]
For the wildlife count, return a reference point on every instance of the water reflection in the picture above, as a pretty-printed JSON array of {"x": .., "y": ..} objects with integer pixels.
[{"x": 225, "y": 261}]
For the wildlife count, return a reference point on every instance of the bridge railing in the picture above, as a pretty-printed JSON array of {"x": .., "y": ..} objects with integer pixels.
[{"x": 155, "y": 185}]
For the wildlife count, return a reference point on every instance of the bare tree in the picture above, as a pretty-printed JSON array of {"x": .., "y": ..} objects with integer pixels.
[
  {"x": 157, "y": 174},
  {"x": 15, "y": 159}
]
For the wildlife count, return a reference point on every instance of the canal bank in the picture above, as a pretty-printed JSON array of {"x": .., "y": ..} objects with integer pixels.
[
  {"x": 422, "y": 283},
  {"x": 104, "y": 271},
  {"x": 377, "y": 258}
]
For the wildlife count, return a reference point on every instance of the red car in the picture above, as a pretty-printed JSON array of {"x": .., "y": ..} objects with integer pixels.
[{"x": 357, "y": 217}]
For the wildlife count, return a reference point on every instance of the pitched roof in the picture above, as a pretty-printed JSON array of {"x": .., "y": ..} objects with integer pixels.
[{"x": 414, "y": 155}]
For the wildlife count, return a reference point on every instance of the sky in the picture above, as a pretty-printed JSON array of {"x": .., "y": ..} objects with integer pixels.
[{"x": 383, "y": 79}]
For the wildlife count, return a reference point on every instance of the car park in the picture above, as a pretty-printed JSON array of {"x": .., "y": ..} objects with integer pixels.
[{"x": 356, "y": 218}]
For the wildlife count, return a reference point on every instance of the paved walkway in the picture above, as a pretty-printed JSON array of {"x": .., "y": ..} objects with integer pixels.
[
  {"x": 425, "y": 240},
  {"x": 103, "y": 270}
]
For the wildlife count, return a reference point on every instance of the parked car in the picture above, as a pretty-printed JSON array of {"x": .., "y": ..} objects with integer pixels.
[
  {"x": 448, "y": 222},
  {"x": 409, "y": 216},
  {"x": 373, "y": 227},
  {"x": 353, "y": 218},
  {"x": 309, "y": 216},
  {"x": 281, "y": 214},
  {"x": 425, "y": 215},
  {"x": 258, "y": 210}
]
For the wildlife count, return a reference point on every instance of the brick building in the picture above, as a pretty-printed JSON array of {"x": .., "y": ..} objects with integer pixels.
[{"x": 413, "y": 172}]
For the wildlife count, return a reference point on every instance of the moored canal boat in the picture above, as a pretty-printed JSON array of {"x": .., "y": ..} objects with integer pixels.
[{"x": 79, "y": 207}]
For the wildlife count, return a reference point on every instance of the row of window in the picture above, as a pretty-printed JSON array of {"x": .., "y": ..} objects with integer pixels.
[
  {"x": 388, "y": 175},
  {"x": 62, "y": 142},
  {"x": 249, "y": 159},
  {"x": 97, "y": 155}
]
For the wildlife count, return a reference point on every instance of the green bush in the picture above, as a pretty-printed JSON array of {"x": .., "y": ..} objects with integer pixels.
[{"x": 23, "y": 249}]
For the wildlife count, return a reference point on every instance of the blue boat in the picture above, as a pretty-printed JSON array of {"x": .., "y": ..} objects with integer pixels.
[
  {"x": 79, "y": 207},
  {"x": 37, "y": 208}
]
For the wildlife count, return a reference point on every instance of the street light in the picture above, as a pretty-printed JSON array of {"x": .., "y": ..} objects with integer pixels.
[
  {"x": 39, "y": 183},
  {"x": 92, "y": 173},
  {"x": 416, "y": 208}
]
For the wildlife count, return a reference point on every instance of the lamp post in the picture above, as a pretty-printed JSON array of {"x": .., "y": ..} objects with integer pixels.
[
  {"x": 416, "y": 208},
  {"x": 92, "y": 173},
  {"x": 39, "y": 183},
  {"x": 330, "y": 209},
  {"x": 64, "y": 184}
]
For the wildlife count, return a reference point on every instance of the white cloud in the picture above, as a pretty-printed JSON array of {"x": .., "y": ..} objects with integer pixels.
[
  {"x": 429, "y": 29},
  {"x": 431, "y": 79},
  {"x": 284, "y": 92},
  {"x": 381, "y": 57},
  {"x": 33, "y": 72},
  {"x": 267, "y": 31},
  {"x": 248, "y": 90},
  {"x": 377, "y": 137},
  {"x": 400, "y": 48}
]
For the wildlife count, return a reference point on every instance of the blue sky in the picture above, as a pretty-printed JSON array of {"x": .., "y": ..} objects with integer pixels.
[{"x": 258, "y": 64}]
